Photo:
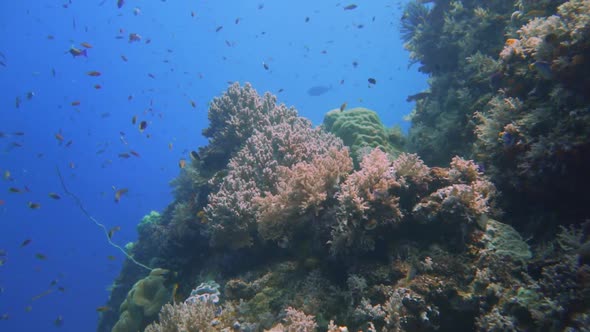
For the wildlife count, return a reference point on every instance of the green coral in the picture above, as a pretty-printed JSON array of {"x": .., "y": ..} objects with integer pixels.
[
  {"x": 362, "y": 130},
  {"x": 143, "y": 302},
  {"x": 152, "y": 218}
]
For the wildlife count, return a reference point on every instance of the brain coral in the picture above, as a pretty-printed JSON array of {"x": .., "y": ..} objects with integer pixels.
[{"x": 362, "y": 130}]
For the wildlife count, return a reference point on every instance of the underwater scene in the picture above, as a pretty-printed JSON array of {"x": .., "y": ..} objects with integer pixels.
[{"x": 235, "y": 165}]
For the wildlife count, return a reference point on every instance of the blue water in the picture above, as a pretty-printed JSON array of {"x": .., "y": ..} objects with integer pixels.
[{"x": 190, "y": 61}]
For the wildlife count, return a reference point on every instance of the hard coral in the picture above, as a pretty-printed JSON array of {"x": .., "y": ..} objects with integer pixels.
[
  {"x": 296, "y": 321},
  {"x": 185, "y": 317},
  {"x": 361, "y": 130},
  {"x": 235, "y": 116},
  {"x": 143, "y": 302}
]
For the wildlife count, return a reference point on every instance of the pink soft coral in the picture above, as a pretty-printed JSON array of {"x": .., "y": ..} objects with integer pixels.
[
  {"x": 366, "y": 202},
  {"x": 302, "y": 189},
  {"x": 258, "y": 170},
  {"x": 468, "y": 197}
]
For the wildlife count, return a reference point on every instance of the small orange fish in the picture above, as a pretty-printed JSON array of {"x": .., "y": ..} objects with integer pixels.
[
  {"x": 75, "y": 103},
  {"x": 2, "y": 202},
  {"x": 59, "y": 137},
  {"x": 135, "y": 153},
  {"x": 113, "y": 230},
  {"x": 119, "y": 193},
  {"x": 181, "y": 163},
  {"x": 86, "y": 45},
  {"x": 103, "y": 308},
  {"x": 93, "y": 73},
  {"x": 142, "y": 126},
  {"x": 97, "y": 86},
  {"x": 54, "y": 196},
  {"x": 511, "y": 41},
  {"x": 34, "y": 206}
]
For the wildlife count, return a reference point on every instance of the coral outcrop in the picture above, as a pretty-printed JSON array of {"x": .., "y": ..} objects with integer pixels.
[{"x": 299, "y": 238}]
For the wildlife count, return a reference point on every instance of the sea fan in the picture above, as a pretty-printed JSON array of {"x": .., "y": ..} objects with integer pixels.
[{"x": 414, "y": 15}]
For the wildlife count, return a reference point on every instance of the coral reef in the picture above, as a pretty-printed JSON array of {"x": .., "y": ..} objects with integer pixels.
[
  {"x": 533, "y": 134},
  {"x": 456, "y": 43},
  {"x": 298, "y": 239}
]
